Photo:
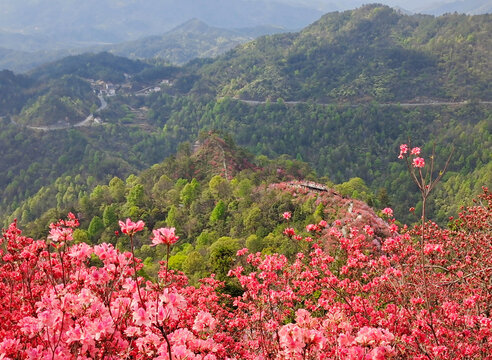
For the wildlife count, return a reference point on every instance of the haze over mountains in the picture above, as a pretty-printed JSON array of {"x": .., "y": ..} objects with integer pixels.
[
  {"x": 35, "y": 32},
  {"x": 74, "y": 24},
  {"x": 192, "y": 39}
]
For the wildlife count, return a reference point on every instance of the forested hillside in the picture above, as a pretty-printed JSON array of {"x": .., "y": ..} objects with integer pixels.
[
  {"x": 220, "y": 197},
  {"x": 340, "y": 95},
  {"x": 342, "y": 142},
  {"x": 372, "y": 53}
]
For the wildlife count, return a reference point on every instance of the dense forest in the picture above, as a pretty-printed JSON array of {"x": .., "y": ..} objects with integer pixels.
[
  {"x": 372, "y": 53},
  {"x": 356, "y": 108},
  {"x": 220, "y": 197}
]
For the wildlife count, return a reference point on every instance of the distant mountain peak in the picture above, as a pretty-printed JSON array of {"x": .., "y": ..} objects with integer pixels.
[{"x": 191, "y": 26}]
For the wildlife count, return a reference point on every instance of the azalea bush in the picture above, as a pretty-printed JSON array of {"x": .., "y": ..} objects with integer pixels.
[{"x": 418, "y": 293}]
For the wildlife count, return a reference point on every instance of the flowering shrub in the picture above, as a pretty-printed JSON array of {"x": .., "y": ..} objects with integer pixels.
[{"x": 356, "y": 300}]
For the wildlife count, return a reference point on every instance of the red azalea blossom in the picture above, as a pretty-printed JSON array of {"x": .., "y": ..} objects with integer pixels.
[
  {"x": 289, "y": 232},
  {"x": 312, "y": 227},
  {"x": 340, "y": 294},
  {"x": 59, "y": 234},
  {"x": 287, "y": 215}
]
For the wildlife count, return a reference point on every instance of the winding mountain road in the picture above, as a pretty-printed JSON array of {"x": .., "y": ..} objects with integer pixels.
[
  {"x": 89, "y": 120},
  {"x": 417, "y": 104}
]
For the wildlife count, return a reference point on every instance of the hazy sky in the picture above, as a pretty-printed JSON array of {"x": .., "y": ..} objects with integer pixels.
[{"x": 55, "y": 24}]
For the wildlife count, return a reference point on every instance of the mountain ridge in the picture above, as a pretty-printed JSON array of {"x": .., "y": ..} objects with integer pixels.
[{"x": 371, "y": 52}]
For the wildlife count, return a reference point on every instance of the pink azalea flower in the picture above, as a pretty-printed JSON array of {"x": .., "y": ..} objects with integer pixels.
[
  {"x": 141, "y": 317},
  {"x": 418, "y": 162},
  {"x": 312, "y": 227},
  {"x": 403, "y": 150},
  {"x": 369, "y": 231},
  {"x": 204, "y": 321},
  {"x": 345, "y": 340},
  {"x": 164, "y": 236},
  {"x": 388, "y": 212},
  {"x": 430, "y": 248},
  {"x": 242, "y": 252},
  {"x": 287, "y": 215},
  {"x": 289, "y": 232},
  {"x": 415, "y": 151},
  {"x": 130, "y": 228},
  {"x": 59, "y": 234}
]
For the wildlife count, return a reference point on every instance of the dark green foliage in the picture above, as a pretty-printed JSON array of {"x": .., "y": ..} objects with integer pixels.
[
  {"x": 104, "y": 66},
  {"x": 95, "y": 228},
  {"x": 67, "y": 100},
  {"x": 12, "y": 92}
]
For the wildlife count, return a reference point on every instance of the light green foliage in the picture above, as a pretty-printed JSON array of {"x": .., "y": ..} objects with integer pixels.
[
  {"x": 190, "y": 192},
  {"x": 318, "y": 213},
  {"x": 99, "y": 195},
  {"x": 136, "y": 195},
  {"x": 254, "y": 244},
  {"x": 218, "y": 212},
  {"x": 146, "y": 251},
  {"x": 176, "y": 261},
  {"x": 205, "y": 239},
  {"x": 243, "y": 188},
  {"x": 219, "y": 187},
  {"x": 117, "y": 189},
  {"x": 150, "y": 269},
  {"x": 172, "y": 217},
  {"x": 110, "y": 218},
  {"x": 222, "y": 256},
  {"x": 95, "y": 228},
  {"x": 81, "y": 236},
  {"x": 252, "y": 218},
  {"x": 194, "y": 263},
  {"x": 355, "y": 188}
]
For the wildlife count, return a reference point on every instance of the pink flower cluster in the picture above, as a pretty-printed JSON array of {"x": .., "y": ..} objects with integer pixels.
[
  {"x": 417, "y": 161},
  {"x": 339, "y": 298},
  {"x": 388, "y": 212}
]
